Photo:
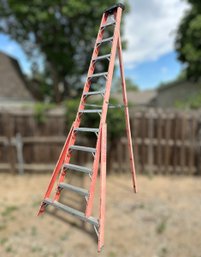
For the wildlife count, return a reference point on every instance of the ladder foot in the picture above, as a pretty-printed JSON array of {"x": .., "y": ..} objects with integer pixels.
[
  {"x": 100, "y": 247},
  {"x": 42, "y": 209}
]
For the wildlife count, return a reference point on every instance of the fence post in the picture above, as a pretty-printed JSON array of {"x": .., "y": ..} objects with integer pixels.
[
  {"x": 19, "y": 149},
  {"x": 150, "y": 145},
  {"x": 7, "y": 123}
]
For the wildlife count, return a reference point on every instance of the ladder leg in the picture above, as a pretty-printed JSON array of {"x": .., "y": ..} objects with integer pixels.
[
  {"x": 128, "y": 130},
  {"x": 56, "y": 171},
  {"x": 102, "y": 186}
]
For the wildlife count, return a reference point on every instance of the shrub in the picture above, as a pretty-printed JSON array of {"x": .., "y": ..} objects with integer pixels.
[{"x": 115, "y": 117}]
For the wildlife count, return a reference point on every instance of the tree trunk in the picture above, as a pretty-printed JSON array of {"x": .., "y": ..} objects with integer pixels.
[{"x": 55, "y": 79}]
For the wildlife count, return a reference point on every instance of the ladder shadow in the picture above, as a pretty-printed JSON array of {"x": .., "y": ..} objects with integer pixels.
[{"x": 82, "y": 226}]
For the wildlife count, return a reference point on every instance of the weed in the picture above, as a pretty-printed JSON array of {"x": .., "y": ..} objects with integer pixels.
[
  {"x": 112, "y": 254},
  {"x": 9, "y": 210},
  {"x": 149, "y": 174},
  {"x": 36, "y": 249},
  {"x": 33, "y": 231},
  {"x": 9, "y": 249},
  {"x": 36, "y": 204},
  {"x": 161, "y": 226},
  {"x": 163, "y": 252},
  {"x": 3, "y": 241},
  {"x": 2, "y": 226},
  {"x": 64, "y": 237}
]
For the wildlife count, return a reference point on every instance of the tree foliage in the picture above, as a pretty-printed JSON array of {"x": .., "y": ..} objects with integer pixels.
[
  {"x": 59, "y": 33},
  {"x": 188, "y": 43},
  {"x": 130, "y": 85}
]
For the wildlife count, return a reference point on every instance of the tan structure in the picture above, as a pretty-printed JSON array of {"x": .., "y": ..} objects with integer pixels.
[
  {"x": 168, "y": 95},
  {"x": 12, "y": 83}
]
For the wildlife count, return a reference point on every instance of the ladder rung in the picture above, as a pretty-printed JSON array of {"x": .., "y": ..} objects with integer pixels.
[
  {"x": 94, "y": 93},
  {"x": 75, "y": 189},
  {"x": 91, "y": 111},
  {"x": 95, "y": 130},
  {"x": 109, "y": 39},
  {"x": 96, "y": 75},
  {"x": 102, "y": 57},
  {"x": 83, "y": 148},
  {"x": 77, "y": 168},
  {"x": 72, "y": 211},
  {"x": 108, "y": 24}
]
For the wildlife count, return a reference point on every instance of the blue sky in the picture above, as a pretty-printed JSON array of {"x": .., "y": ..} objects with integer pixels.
[
  {"x": 149, "y": 74},
  {"x": 150, "y": 30}
]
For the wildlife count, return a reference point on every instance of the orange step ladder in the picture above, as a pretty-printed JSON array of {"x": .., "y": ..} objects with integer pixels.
[{"x": 110, "y": 18}]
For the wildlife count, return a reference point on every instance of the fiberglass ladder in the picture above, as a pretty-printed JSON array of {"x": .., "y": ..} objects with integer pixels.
[{"x": 111, "y": 18}]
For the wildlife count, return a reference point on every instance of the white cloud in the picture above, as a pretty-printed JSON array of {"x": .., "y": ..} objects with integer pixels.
[{"x": 150, "y": 28}]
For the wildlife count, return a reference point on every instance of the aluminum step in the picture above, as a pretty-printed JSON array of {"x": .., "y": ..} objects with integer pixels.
[
  {"x": 94, "y": 93},
  {"x": 108, "y": 24},
  {"x": 80, "y": 191},
  {"x": 96, "y": 75},
  {"x": 83, "y": 148},
  {"x": 95, "y": 130},
  {"x": 102, "y": 57},
  {"x": 91, "y": 111},
  {"x": 105, "y": 40},
  {"x": 77, "y": 168},
  {"x": 72, "y": 211}
]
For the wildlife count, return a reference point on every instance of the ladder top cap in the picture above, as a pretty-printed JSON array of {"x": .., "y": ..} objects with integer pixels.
[{"x": 112, "y": 8}]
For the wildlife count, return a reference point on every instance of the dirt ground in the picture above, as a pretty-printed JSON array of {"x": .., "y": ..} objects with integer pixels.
[{"x": 162, "y": 220}]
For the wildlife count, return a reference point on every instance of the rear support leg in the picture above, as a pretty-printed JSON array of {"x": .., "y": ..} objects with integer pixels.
[
  {"x": 102, "y": 186},
  {"x": 128, "y": 130}
]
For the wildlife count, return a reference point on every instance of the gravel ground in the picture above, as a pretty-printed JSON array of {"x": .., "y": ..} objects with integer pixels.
[{"x": 162, "y": 220}]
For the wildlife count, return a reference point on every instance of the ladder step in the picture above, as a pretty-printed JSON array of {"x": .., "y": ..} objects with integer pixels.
[
  {"x": 77, "y": 168},
  {"x": 95, "y": 130},
  {"x": 83, "y": 148},
  {"x": 75, "y": 189},
  {"x": 94, "y": 93},
  {"x": 102, "y": 57},
  {"x": 96, "y": 75},
  {"x": 108, "y": 24},
  {"x": 91, "y": 111},
  {"x": 72, "y": 211},
  {"x": 109, "y": 39}
]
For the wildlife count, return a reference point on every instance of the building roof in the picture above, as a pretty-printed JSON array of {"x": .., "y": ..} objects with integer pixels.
[
  {"x": 173, "y": 84},
  {"x": 137, "y": 97},
  {"x": 12, "y": 82}
]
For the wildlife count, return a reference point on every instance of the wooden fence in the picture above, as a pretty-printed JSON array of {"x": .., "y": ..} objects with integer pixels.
[{"x": 165, "y": 142}]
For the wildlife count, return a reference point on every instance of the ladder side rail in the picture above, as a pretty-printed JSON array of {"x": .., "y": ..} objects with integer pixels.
[
  {"x": 102, "y": 186},
  {"x": 127, "y": 120},
  {"x": 81, "y": 105},
  {"x": 105, "y": 102},
  {"x": 56, "y": 170},
  {"x": 90, "y": 70}
]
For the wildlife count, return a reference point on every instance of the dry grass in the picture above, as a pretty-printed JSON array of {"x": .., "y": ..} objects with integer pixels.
[{"x": 163, "y": 219}]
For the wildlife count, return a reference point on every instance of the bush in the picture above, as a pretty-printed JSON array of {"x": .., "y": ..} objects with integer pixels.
[
  {"x": 40, "y": 110},
  {"x": 193, "y": 102},
  {"x": 115, "y": 117}
]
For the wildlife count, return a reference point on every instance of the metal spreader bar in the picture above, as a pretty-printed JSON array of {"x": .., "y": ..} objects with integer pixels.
[{"x": 108, "y": 37}]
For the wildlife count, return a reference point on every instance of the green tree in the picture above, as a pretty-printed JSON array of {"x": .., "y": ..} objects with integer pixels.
[
  {"x": 130, "y": 85},
  {"x": 60, "y": 33},
  {"x": 188, "y": 43}
]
